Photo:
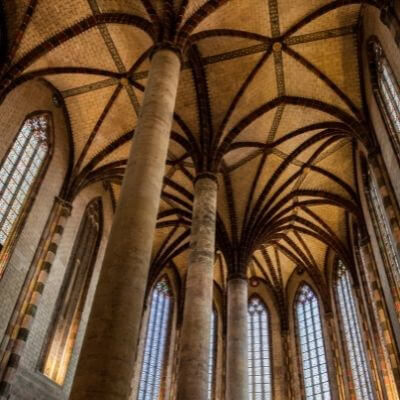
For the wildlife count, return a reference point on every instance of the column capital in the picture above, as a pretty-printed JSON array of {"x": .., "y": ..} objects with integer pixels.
[
  {"x": 206, "y": 175},
  {"x": 64, "y": 204},
  {"x": 166, "y": 45},
  {"x": 237, "y": 275}
]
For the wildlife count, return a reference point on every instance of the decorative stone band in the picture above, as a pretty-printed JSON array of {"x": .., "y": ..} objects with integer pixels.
[
  {"x": 167, "y": 46},
  {"x": 63, "y": 211},
  {"x": 386, "y": 339},
  {"x": 377, "y": 166},
  {"x": 287, "y": 365},
  {"x": 334, "y": 345},
  {"x": 206, "y": 175}
]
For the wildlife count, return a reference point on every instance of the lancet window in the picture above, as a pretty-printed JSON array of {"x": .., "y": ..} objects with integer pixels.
[
  {"x": 212, "y": 358},
  {"x": 71, "y": 301},
  {"x": 19, "y": 171},
  {"x": 259, "y": 354},
  {"x": 352, "y": 335},
  {"x": 312, "y": 346},
  {"x": 154, "y": 363}
]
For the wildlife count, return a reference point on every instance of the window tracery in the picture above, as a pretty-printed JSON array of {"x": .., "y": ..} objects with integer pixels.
[
  {"x": 20, "y": 169},
  {"x": 155, "y": 349},
  {"x": 259, "y": 360},
  {"x": 312, "y": 346},
  {"x": 352, "y": 335}
]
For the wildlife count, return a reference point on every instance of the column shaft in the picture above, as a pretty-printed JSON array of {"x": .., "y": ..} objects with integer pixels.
[
  {"x": 237, "y": 363},
  {"x": 195, "y": 337},
  {"x": 107, "y": 357}
]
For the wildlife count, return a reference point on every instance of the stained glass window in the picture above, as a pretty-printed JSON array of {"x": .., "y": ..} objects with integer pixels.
[
  {"x": 312, "y": 346},
  {"x": 352, "y": 335},
  {"x": 259, "y": 361},
  {"x": 19, "y": 170},
  {"x": 155, "y": 350},
  {"x": 212, "y": 357}
]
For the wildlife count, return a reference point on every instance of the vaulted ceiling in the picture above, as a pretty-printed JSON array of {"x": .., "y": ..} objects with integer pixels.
[{"x": 269, "y": 97}]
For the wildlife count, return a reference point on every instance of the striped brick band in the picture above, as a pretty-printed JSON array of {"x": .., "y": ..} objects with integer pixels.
[
  {"x": 385, "y": 341},
  {"x": 62, "y": 211}
]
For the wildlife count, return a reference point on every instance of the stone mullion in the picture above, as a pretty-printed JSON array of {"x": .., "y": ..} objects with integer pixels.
[
  {"x": 388, "y": 353},
  {"x": 63, "y": 211},
  {"x": 105, "y": 366},
  {"x": 196, "y": 323}
]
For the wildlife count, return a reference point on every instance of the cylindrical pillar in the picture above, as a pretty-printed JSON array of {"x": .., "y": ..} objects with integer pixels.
[
  {"x": 237, "y": 385},
  {"x": 195, "y": 336},
  {"x": 61, "y": 211},
  {"x": 106, "y": 363}
]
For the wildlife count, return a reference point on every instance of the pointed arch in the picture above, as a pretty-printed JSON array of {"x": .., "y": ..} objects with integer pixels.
[
  {"x": 259, "y": 350},
  {"x": 21, "y": 172},
  {"x": 311, "y": 345},
  {"x": 154, "y": 364},
  {"x": 352, "y": 334}
]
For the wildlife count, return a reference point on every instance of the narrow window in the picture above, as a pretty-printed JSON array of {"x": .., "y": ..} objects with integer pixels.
[
  {"x": 212, "y": 357},
  {"x": 386, "y": 90},
  {"x": 384, "y": 234},
  {"x": 260, "y": 385},
  {"x": 19, "y": 171},
  {"x": 312, "y": 347},
  {"x": 352, "y": 335},
  {"x": 155, "y": 350},
  {"x": 71, "y": 301}
]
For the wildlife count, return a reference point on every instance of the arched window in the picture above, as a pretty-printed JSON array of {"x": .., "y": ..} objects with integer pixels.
[
  {"x": 352, "y": 335},
  {"x": 386, "y": 90},
  {"x": 212, "y": 357},
  {"x": 19, "y": 170},
  {"x": 155, "y": 350},
  {"x": 259, "y": 359},
  {"x": 312, "y": 346},
  {"x": 384, "y": 235},
  {"x": 73, "y": 293}
]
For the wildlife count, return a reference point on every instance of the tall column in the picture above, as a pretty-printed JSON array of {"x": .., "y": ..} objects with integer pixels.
[
  {"x": 61, "y": 211},
  {"x": 105, "y": 366},
  {"x": 237, "y": 386},
  {"x": 195, "y": 337}
]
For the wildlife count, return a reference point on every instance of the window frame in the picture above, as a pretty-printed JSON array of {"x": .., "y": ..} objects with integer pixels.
[
  {"x": 7, "y": 250},
  {"x": 298, "y": 343},
  {"x": 213, "y": 390},
  {"x": 164, "y": 375},
  {"x": 270, "y": 345},
  {"x": 373, "y": 43},
  {"x": 338, "y": 265},
  {"x": 67, "y": 283}
]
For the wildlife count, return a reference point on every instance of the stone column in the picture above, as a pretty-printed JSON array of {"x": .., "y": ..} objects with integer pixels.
[
  {"x": 106, "y": 363},
  {"x": 237, "y": 386},
  {"x": 195, "y": 336},
  {"x": 60, "y": 213}
]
